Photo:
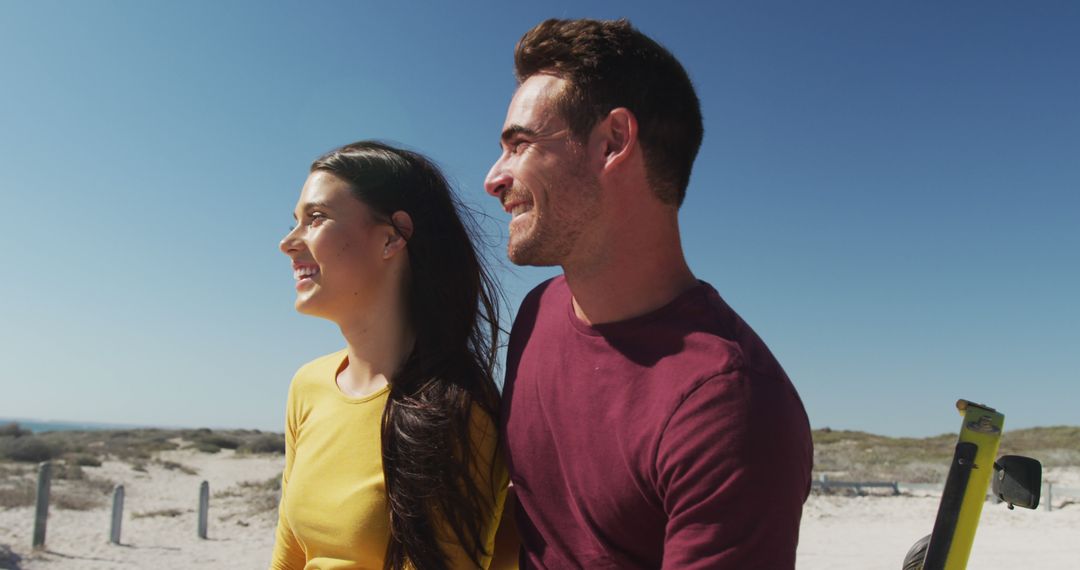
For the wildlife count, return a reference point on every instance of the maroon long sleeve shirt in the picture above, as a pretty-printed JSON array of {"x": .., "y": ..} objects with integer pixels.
[{"x": 671, "y": 440}]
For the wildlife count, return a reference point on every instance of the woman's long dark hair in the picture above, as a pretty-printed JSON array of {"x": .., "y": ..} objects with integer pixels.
[{"x": 452, "y": 302}]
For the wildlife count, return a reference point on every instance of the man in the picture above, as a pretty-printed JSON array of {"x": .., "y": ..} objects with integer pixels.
[{"x": 646, "y": 425}]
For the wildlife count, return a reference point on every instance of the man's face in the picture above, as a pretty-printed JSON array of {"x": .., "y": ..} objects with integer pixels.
[{"x": 542, "y": 178}]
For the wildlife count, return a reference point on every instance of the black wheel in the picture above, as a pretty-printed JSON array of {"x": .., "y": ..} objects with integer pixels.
[{"x": 917, "y": 555}]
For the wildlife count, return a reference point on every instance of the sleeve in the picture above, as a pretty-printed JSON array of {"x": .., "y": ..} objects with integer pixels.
[
  {"x": 288, "y": 554},
  {"x": 732, "y": 472},
  {"x": 507, "y": 539},
  {"x": 490, "y": 475}
]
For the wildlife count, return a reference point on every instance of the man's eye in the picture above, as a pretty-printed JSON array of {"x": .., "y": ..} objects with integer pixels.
[{"x": 517, "y": 147}]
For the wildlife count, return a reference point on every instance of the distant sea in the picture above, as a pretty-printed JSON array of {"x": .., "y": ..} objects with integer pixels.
[{"x": 38, "y": 426}]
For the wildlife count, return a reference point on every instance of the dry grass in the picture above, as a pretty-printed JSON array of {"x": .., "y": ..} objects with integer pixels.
[
  {"x": 1057, "y": 446},
  {"x": 854, "y": 455},
  {"x": 97, "y": 485},
  {"x": 75, "y": 495},
  {"x": 72, "y": 500},
  {"x": 17, "y": 492},
  {"x": 862, "y": 456},
  {"x": 72, "y": 450},
  {"x": 172, "y": 513},
  {"x": 174, "y": 466},
  {"x": 83, "y": 494},
  {"x": 257, "y": 496},
  {"x": 8, "y": 470}
]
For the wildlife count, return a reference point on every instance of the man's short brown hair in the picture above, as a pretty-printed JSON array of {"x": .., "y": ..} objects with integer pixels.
[{"x": 610, "y": 64}]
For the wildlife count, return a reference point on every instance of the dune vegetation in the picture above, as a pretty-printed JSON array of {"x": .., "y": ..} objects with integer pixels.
[
  {"x": 74, "y": 454},
  {"x": 856, "y": 455}
]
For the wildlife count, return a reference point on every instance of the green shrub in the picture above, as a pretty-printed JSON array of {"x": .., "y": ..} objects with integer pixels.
[
  {"x": 265, "y": 443},
  {"x": 68, "y": 471},
  {"x": 221, "y": 440},
  {"x": 86, "y": 460},
  {"x": 30, "y": 449},
  {"x": 207, "y": 447},
  {"x": 13, "y": 429}
]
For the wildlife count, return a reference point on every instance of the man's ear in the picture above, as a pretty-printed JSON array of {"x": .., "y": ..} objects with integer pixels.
[
  {"x": 402, "y": 225},
  {"x": 618, "y": 136}
]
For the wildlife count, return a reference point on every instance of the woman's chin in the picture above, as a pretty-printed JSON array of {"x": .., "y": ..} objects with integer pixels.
[
  {"x": 305, "y": 305},
  {"x": 318, "y": 308}
]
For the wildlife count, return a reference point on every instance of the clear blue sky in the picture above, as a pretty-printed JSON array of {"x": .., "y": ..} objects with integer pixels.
[{"x": 887, "y": 192}]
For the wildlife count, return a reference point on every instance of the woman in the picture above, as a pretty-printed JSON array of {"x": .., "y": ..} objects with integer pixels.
[{"x": 391, "y": 457}]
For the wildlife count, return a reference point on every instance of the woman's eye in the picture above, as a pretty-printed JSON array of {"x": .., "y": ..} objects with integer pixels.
[{"x": 316, "y": 219}]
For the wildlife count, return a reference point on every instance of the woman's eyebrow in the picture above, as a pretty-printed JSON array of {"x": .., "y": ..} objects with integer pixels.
[{"x": 309, "y": 206}]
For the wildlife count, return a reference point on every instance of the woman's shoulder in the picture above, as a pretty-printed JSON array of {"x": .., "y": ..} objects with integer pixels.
[
  {"x": 483, "y": 428},
  {"x": 320, "y": 367}
]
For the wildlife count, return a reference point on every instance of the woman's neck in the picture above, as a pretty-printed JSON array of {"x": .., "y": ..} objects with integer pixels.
[{"x": 377, "y": 343}]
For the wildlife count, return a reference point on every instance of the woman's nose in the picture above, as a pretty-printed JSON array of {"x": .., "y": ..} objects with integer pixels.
[{"x": 290, "y": 243}]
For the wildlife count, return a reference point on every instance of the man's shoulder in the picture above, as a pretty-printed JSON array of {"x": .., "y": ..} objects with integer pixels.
[
  {"x": 541, "y": 299},
  {"x": 545, "y": 290},
  {"x": 723, "y": 333}
]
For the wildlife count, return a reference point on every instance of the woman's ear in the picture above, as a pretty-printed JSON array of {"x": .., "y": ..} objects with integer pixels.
[{"x": 402, "y": 226}]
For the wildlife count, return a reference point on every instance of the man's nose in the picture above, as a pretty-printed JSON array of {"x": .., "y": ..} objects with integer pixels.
[{"x": 498, "y": 181}]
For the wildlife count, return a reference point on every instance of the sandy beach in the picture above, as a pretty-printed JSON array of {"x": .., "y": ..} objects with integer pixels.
[
  {"x": 838, "y": 532},
  {"x": 240, "y": 528},
  {"x": 872, "y": 532}
]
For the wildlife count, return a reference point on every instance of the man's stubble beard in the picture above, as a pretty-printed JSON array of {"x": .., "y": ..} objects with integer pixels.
[{"x": 555, "y": 233}]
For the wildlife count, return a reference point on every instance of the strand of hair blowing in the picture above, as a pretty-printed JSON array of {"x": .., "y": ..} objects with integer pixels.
[{"x": 429, "y": 463}]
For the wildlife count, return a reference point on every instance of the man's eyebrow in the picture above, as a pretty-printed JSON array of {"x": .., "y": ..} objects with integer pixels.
[{"x": 516, "y": 130}]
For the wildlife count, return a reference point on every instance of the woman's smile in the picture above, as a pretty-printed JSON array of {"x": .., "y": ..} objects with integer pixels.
[{"x": 304, "y": 274}]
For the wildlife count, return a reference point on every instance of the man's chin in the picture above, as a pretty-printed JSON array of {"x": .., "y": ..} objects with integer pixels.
[{"x": 527, "y": 257}]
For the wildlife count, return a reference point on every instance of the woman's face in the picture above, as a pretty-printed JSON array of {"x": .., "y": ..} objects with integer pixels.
[{"x": 337, "y": 250}]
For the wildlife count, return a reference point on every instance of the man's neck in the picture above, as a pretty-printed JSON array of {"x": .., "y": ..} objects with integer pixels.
[{"x": 629, "y": 283}]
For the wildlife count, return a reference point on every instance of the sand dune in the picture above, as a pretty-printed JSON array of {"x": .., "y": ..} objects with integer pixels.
[
  {"x": 241, "y": 529},
  {"x": 838, "y": 533}
]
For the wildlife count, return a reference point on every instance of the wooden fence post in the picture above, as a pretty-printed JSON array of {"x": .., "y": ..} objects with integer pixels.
[
  {"x": 204, "y": 505},
  {"x": 1049, "y": 496},
  {"x": 41, "y": 510},
  {"x": 117, "y": 514}
]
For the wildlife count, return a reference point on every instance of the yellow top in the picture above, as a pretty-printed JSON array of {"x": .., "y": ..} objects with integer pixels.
[{"x": 333, "y": 512}]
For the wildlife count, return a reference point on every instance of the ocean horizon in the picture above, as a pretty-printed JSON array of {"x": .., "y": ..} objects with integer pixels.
[{"x": 42, "y": 426}]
